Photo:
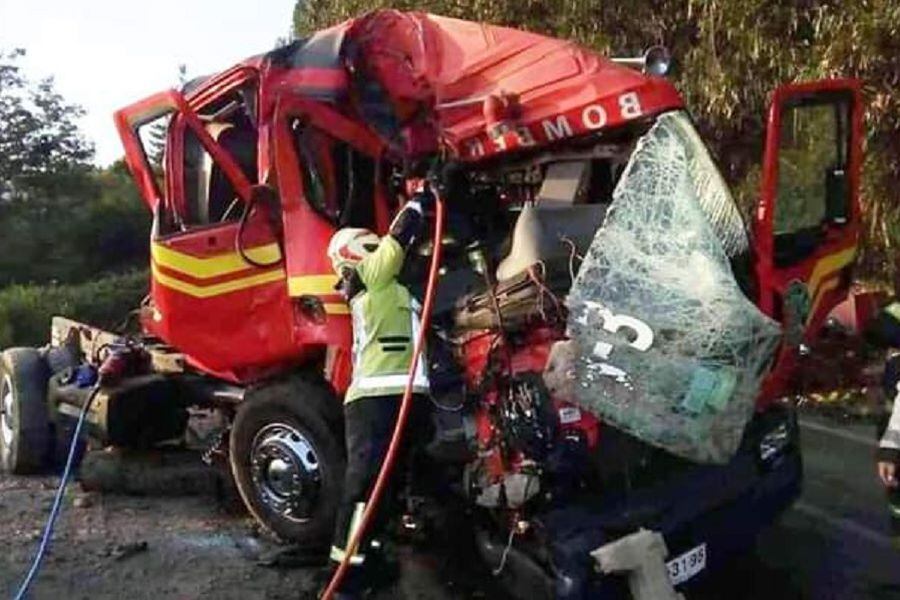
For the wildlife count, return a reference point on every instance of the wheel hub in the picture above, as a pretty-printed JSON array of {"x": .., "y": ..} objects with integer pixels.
[
  {"x": 285, "y": 471},
  {"x": 7, "y": 416}
]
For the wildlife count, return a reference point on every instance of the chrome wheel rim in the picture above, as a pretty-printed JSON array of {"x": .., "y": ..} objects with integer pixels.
[
  {"x": 285, "y": 470},
  {"x": 7, "y": 413}
]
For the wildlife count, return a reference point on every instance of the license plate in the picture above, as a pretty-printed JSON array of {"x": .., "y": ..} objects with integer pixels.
[{"x": 683, "y": 567}]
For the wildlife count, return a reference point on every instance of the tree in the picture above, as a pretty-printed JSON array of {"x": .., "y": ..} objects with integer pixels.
[
  {"x": 62, "y": 219},
  {"x": 39, "y": 136},
  {"x": 100, "y": 226}
]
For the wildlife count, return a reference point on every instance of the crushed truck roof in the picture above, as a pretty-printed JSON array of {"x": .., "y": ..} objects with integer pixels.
[{"x": 424, "y": 82}]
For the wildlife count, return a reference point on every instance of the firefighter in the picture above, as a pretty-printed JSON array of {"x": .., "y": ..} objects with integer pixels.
[
  {"x": 385, "y": 326},
  {"x": 889, "y": 462},
  {"x": 885, "y": 331}
]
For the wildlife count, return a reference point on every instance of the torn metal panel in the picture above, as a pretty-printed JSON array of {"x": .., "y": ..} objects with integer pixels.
[
  {"x": 671, "y": 350},
  {"x": 642, "y": 555}
]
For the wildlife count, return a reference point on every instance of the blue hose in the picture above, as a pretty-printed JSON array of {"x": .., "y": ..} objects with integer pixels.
[{"x": 57, "y": 501}]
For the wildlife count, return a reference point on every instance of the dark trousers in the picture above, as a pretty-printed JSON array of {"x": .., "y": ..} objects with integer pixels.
[
  {"x": 893, "y": 494},
  {"x": 369, "y": 424},
  {"x": 893, "y": 501}
]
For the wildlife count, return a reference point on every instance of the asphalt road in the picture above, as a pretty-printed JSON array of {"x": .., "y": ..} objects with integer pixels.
[{"x": 833, "y": 543}]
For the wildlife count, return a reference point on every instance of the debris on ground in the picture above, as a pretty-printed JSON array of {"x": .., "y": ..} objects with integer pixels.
[
  {"x": 124, "y": 551},
  {"x": 157, "y": 473},
  {"x": 84, "y": 500}
]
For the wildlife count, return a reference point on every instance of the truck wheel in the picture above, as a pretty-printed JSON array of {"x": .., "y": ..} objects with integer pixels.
[
  {"x": 24, "y": 425},
  {"x": 288, "y": 464}
]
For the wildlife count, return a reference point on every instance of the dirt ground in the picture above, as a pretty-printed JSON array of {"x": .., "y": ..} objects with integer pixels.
[{"x": 115, "y": 545}]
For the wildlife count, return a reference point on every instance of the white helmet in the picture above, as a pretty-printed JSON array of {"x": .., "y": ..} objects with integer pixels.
[{"x": 350, "y": 245}]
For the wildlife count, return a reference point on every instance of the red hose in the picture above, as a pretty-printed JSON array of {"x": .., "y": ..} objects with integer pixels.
[{"x": 388, "y": 465}]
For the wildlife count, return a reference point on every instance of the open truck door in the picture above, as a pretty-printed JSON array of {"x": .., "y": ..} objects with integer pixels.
[
  {"x": 808, "y": 220},
  {"x": 130, "y": 121},
  {"x": 218, "y": 281},
  {"x": 329, "y": 176}
]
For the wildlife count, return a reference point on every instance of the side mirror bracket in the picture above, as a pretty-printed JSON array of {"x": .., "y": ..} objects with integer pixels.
[
  {"x": 267, "y": 197},
  {"x": 837, "y": 196}
]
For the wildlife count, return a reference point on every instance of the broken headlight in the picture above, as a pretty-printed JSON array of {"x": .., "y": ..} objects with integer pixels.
[{"x": 773, "y": 444}]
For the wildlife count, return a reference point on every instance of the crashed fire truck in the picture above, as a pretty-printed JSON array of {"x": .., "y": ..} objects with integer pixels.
[{"x": 608, "y": 340}]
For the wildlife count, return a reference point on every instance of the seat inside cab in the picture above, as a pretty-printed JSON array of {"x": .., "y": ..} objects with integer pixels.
[{"x": 209, "y": 195}]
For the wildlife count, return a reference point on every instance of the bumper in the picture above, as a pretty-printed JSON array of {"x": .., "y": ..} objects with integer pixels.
[
  {"x": 728, "y": 528},
  {"x": 732, "y": 529},
  {"x": 722, "y": 506}
]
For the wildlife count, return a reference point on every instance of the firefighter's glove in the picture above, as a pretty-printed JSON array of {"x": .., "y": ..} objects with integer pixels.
[
  {"x": 425, "y": 198},
  {"x": 408, "y": 222}
]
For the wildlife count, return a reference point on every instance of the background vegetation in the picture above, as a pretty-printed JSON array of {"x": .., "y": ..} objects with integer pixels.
[
  {"x": 67, "y": 228},
  {"x": 26, "y": 310}
]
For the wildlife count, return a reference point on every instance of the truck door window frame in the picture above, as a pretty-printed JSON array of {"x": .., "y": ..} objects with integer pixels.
[
  {"x": 339, "y": 180},
  {"x": 293, "y": 113},
  {"x": 793, "y": 244},
  {"x": 191, "y": 122}
]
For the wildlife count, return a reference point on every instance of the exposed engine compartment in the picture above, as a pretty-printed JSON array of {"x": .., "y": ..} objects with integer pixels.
[{"x": 511, "y": 254}]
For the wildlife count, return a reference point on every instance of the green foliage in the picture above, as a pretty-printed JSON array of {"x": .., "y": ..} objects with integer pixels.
[
  {"x": 26, "y": 310},
  {"x": 730, "y": 55},
  {"x": 62, "y": 220},
  {"x": 808, "y": 147},
  {"x": 86, "y": 224},
  {"x": 39, "y": 137}
]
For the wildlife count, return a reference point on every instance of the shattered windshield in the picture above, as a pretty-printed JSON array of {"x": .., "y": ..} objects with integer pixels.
[
  {"x": 670, "y": 349},
  {"x": 710, "y": 190}
]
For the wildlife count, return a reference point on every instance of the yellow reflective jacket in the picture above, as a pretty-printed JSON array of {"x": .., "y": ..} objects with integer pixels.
[{"x": 385, "y": 328}]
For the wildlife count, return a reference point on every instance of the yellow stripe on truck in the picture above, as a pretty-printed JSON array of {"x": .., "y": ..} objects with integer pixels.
[
  {"x": 826, "y": 276},
  {"x": 212, "y": 266},
  {"x": 312, "y": 285},
  {"x": 335, "y": 308},
  {"x": 216, "y": 289},
  {"x": 828, "y": 265},
  {"x": 231, "y": 262},
  {"x": 826, "y": 287},
  {"x": 318, "y": 285}
]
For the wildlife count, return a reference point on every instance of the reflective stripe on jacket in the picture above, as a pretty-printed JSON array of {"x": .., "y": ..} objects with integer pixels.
[
  {"x": 889, "y": 447},
  {"x": 385, "y": 328}
]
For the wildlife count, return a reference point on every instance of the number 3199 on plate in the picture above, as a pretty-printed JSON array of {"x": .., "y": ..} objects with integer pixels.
[{"x": 685, "y": 566}]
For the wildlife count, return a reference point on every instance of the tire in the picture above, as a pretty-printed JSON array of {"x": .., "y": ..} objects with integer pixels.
[
  {"x": 282, "y": 432},
  {"x": 25, "y": 431},
  {"x": 59, "y": 359}
]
